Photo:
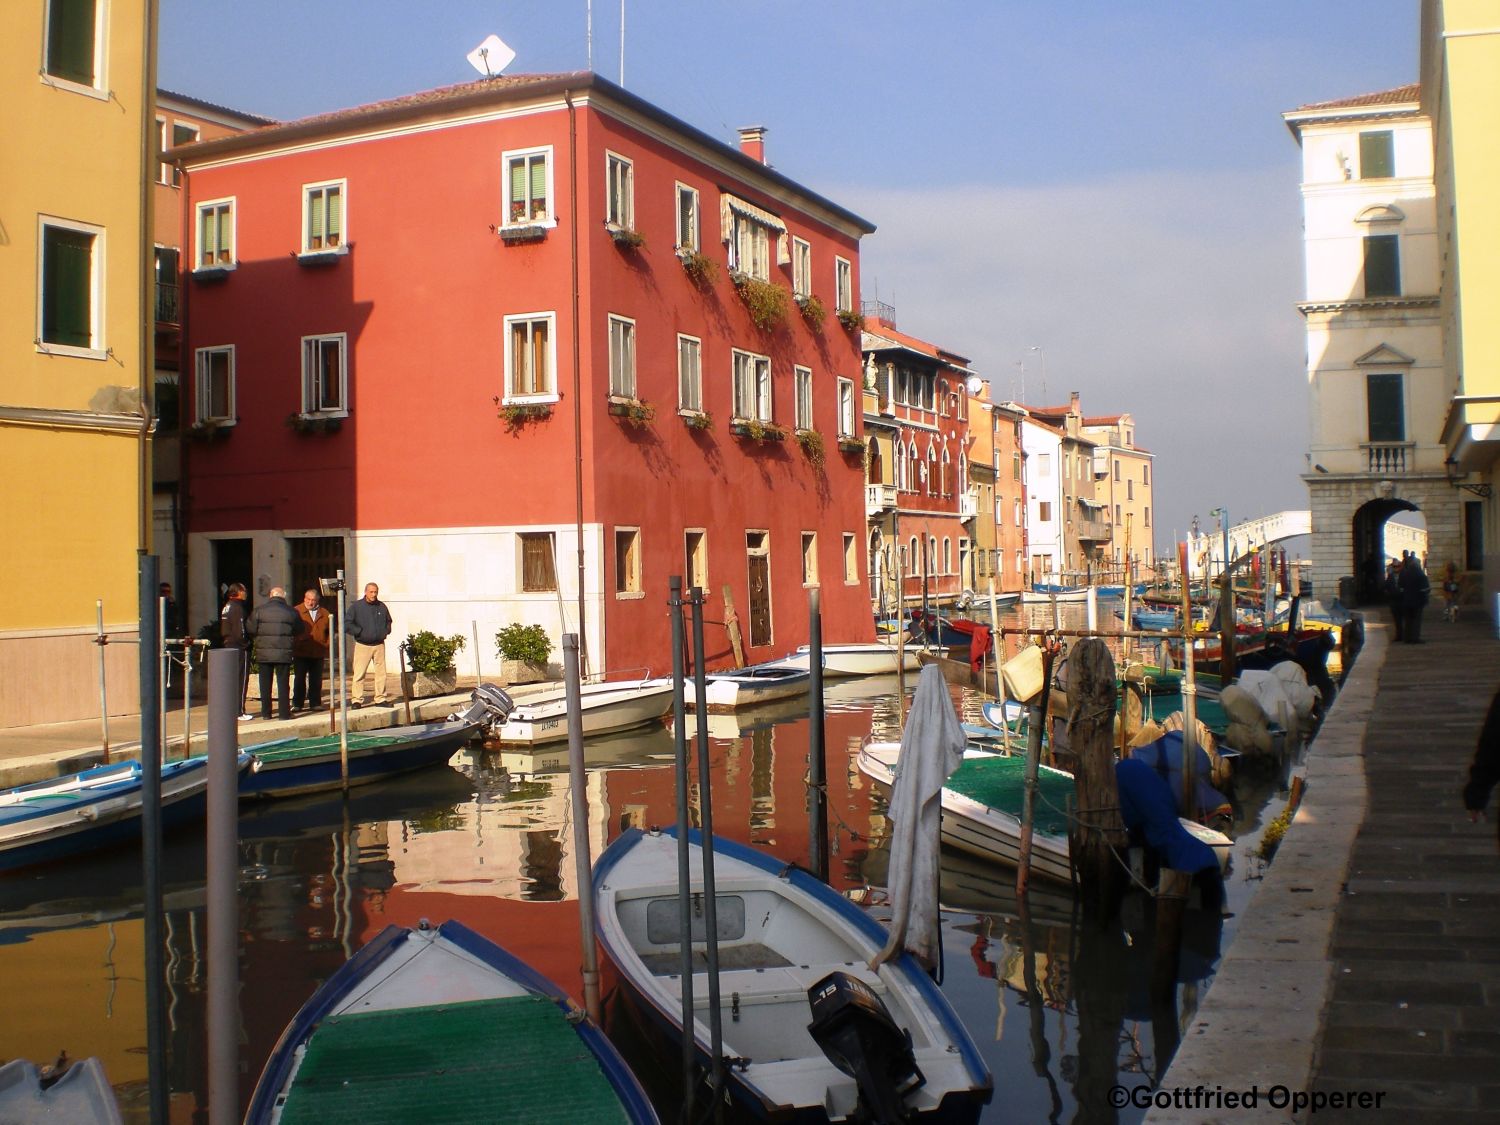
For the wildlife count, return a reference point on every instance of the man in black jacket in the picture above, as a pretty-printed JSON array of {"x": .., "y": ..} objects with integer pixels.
[
  {"x": 275, "y": 625},
  {"x": 232, "y": 634},
  {"x": 368, "y": 621}
]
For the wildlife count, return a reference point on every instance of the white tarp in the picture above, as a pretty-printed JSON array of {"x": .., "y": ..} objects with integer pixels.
[{"x": 932, "y": 746}]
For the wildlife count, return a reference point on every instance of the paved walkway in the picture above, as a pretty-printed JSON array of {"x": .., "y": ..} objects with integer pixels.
[{"x": 1368, "y": 963}]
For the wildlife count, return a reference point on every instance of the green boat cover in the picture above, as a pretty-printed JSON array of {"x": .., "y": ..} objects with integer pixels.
[
  {"x": 1000, "y": 783},
  {"x": 323, "y": 744},
  {"x": 515, "y": 1059},
  {"x": 1210, "y": 711}
]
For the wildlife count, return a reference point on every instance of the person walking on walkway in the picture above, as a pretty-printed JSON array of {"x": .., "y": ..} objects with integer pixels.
[
  {"x": 368, "y": 621},
  {"x": 1414, "y": 592},
  {"x": 309, "y": 653},
  {"x": 1392, "y": 590},
  {"x": 275, "y": 626},
  {"x": 232, "y": 634},
  {"x": 1484, "y": 771}
]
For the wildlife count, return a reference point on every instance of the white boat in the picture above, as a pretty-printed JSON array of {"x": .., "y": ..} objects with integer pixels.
[
  {"x": 1045, "y": 595},
  {"x": 865, "y": 658},
  {"x": 80, "y": 1093},
  {"x": 745, "y": 687},
  {"x": 982, "y": 809},
  {"x": 785, "y": 941},
  {"x": 543, "y": 717}
]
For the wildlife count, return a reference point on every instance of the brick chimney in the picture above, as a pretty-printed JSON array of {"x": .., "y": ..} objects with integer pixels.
[
  {"x": 1073, "y": 407},
  {"x": 753, "y": 142}
]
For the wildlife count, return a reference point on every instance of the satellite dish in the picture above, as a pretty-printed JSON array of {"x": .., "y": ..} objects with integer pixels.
[
  {"x": 975, "y": 384},
  {"x": 491, "y": 57}
]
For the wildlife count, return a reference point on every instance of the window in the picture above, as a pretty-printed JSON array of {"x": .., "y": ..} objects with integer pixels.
[
  {"x": 689, "y": 373},
  {"x": 214, "y": 400},
  {"x": 749, "y": 246},
  {"x": 1116, "y": 462},
  {"x": 758, "y": 560},
  {"x": 538, "y": 567},
  {"x": 802, "y": 382},
  {"x": 621, "y": 357},
  {"x": 71, "y": 288},
  {"x": 1382, "y": 265},
  {"x": 1145, "y": 474},
  {"x": 619, "y": 188},
  {"x": 1377, "y": 155},
  {"x": 809, "y": 558},
  {"x": 163, "y": 169},
  {"x": 1146, "y": 518},
  {"x": 1130, "y": 490},
  {"x": 752, "y": 386},
  {"x": 687, "y": 217},
  {"x": 528, "y": 186},
  {"x": 1015, "y": 466},
  {"x": 947, "y": 556},
  {"x": 1386, "y": 407},
  {"x": 851, "y": 560},
  {"x": 181, "y": 135},
  {"x": 695, "y": 552},
  {"x": 166, "y": 286},
  {"x": 529, "y": 357},
  {"x": 846, "y": 408},
  {"x": 1044, "y": 510},
  {"x": 1016, "y": 513},
  {"x": 73, "y": 47},
  {"x": 322, "y": 217},
  {"x": 627, "y": 560},
  {"x": 325, "y": 375},
  {"x": 1044, "y": 464},
  {"x": 216, "y": 235},
  {"x": 1117, "y": 513},
  {"x": 843, "y": 285},
  {"x": 801, "y": 268}
]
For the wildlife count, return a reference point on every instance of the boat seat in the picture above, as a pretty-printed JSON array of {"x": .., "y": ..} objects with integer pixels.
[{"x": 747, "y": 955}]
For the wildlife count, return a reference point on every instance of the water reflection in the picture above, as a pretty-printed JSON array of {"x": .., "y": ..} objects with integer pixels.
[{"x": 1059, "y": 1009}]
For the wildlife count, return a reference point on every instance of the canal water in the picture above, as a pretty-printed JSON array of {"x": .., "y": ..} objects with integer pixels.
[{"x": 1060, "y": 1013}]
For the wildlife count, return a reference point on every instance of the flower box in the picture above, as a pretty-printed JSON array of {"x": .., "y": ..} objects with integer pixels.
[
  {"x": 314, "y": 423},
  {"x": 851, "y": 445},
  {"x": 756, "y": 430},
  {"x": 529, "y": 232},
  {"x": 627, "y": 239},
  {"x": 524, "y": 671}
]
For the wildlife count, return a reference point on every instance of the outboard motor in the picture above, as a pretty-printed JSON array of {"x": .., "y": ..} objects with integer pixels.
[
  {"x": 857, "y": 1033},
  {"x": 491, "y": 706}
]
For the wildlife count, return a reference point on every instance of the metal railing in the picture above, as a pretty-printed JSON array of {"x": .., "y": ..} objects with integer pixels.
[{"x": 166, "y": 303}]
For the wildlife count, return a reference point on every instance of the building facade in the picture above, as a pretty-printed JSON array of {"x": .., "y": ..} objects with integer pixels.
[
  {"x": 1374, "y": 334},
  {"x": 996, "y": 475},
  {"x": 76, "y": 81},
  {"x": 1460, "y": 89},
  {"x": 1082, "y": 531},
  {"x": 1122, "y": 484},
  {"x": 577, "y": 354}
]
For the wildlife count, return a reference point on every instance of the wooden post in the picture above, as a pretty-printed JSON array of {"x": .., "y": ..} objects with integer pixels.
[
  {"x": 732, "y": 624},
  {"x": 1226, "y": 627},
  {"x": 1035, "y": 725},
  {"x": 1098, "y": 833},
  {"x": 1189, "y": 695},
  {"x": 1171, "y": 900}
]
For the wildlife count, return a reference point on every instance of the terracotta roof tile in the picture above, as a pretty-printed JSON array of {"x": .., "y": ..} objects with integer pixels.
[
  {"x": 1409, "y": 93},
  {"x": 875, "y": 327},
  {"x": 1103, "y": 420}
]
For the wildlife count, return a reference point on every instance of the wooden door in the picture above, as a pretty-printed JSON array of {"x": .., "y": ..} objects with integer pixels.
[{"x": 757, "y": 548}]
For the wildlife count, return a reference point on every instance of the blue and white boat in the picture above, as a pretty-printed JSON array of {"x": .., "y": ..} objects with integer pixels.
[
  {"x": 1155, "y": 619},
  {"x": 289, "y": 767},
  {"x": 788, "y": 946},
  {"x": 744, "y": 687},
  {"x": 82, "y": 812},
  {"x": 442, "y": 1024}
]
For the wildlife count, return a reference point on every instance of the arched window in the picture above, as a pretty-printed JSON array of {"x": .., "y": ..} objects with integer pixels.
[
  {"x": 932, "y": 555},
  {"x": 914, "y": 557},
  {"x": 900, "y": 458},
  {"x": 945, "y": 479},
  {"x": 947, "y": 555}
]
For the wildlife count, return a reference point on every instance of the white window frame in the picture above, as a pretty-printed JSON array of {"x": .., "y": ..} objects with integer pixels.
[
  {"x": 324, "y": 186},
  {"x": 200, "y": 414},
  {"x": 688, "y": 239},
  {"x": 749, "y": 246},
  {"x": 802, "y": 403},
  {"x": 622, "y": 384},
  {"x": 801, "y": 267},
  {"x": 508, "y": 204},
  {"x": 843, "y": 284},
  {"x": 97, "y": 348},
  {"x": 509, "y": 395},
  {"x": 635, "y": 583},
  {"x": 310, "y": 409},
  {"x": 846, "y": 408},
  {"x": 760, "y": 372},
  {"x": 163, "y": 169},
  {"x": 100, "y": 87},
  {"x": 619, "y": 213},
  {"x": 851, "y": 560},
  {"x": 230, "y": 202},
  {"x": 694, "y": 378}
]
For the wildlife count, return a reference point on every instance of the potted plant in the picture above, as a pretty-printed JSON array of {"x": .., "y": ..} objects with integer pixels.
[
  {"x": 524, "y": 651},
  {"x": 637, "y": 412},
  {"x": 702, "y": 269},
  {"x": 812, "y": 446},
  {"x": 812, "y": 311},
  {"x": 850, "y": 444},
  {"x": 851, "y": 319},
  {"x": 754, "y": 429},
  {"x": 314, "y": 423},
  {"x": 517, "y": 414},
  {"x": 430, "y": 658},
  {"x": 699, "y": 420},
  {"x": 766, "y": 301},
  {"x": 627, "y": 239}
]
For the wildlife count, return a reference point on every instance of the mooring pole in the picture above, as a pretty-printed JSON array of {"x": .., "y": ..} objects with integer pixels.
[
  {"x": 684, "y": 864},
  {"x": 710, "y": 884},
  {"x": 343, "y": 691},
  {"x": 150, "y": 669},
  {"x": 103, "y": 642},
  {"x": 1035, "y": 724},
  {"x": 1185, "y": 799},
  {"x": 223, "y": 887},
  {"x": 817, "y": 760},
  {"x": 1100, "y": 831},
  {"x": 583, "y": 863},
  {"x": 900, "y": 640}
]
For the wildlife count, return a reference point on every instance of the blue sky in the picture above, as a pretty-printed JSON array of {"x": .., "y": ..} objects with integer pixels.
[{"x": 1111, "y": 183}]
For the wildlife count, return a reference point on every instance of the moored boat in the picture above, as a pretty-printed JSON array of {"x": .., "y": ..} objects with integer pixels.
[
  {"x": 745, "y": 687},
  {"x": 441, "y": 1024},
  {"x": 785, "y": 941},
  {"x": 289, "y": 767},
  {"x": 865, "y": 658},
  {"x": 1044, "y": 593},
  {"x": 605, "y": 707},
  {"x": 79, "y": 1093}
]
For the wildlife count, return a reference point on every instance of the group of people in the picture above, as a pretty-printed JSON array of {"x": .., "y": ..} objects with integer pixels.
[
  {"x": 290, "y": 646},
  {"x": 1406, "y": 589}
]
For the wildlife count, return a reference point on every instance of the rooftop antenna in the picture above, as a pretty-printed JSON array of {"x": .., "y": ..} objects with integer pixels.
[
  {"x": 622, "y": 44},
  {"x": 491, "y": 57},
  {"x": 589, "y": 34}
]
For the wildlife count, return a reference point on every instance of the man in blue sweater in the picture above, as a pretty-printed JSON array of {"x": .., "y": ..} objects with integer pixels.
[{"x": 368, "y": 621}]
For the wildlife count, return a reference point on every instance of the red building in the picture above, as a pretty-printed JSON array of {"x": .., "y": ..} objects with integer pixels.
[{"x": 518, "y": 350}]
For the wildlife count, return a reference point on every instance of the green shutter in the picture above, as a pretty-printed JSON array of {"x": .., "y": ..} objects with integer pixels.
[
  {"x": 70, "y": 40},
  {"x": 538, "y": 182},
  {"x": 1387, "y": 408},
  {"x": 67, "y": 287},
  {"x": 314, "y": 220},
  {"x": 1383, "y": 265},
  {"x": 1377, "y": 155},
  {"x": 335, "y": 197}
]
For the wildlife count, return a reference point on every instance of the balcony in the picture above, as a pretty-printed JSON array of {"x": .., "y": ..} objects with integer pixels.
[
  {"x": 166, "y": 303},
  {"x": 968, "y": 505},
  {"x": 879, "y": 498},
  {"x": 1092, "y": 531},
  {"x": 1388, "y": 458}
]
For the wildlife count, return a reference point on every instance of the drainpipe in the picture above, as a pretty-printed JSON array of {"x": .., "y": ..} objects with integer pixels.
[
  {"x": 146, "y": 278},
  {"x": 583, "y": 635}
]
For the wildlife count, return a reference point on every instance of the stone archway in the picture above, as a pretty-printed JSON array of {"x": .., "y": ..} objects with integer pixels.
[{"x": 1369, "y": 559}]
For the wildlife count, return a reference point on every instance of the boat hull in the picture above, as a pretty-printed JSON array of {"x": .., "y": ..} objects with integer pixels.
[
  {"x": 873, "y": 658},
  {"x": 283, "y": 771},
  {"x": 729, "y": 691},
  {"x": 606, "y": 707}
]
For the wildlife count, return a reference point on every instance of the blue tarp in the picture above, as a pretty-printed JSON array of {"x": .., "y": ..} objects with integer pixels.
[
  {"x": 1165, "y": 757},
  {"x": 1150, "y": 812}
]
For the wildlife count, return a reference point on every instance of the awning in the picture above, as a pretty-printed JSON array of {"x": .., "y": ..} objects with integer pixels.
[
  {"x": 1092, "y": 503},
  {"x": 733, "y": 205}
]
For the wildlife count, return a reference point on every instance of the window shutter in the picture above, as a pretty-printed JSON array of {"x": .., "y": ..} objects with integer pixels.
[
  {"x": 517, "y": 181},
  {"x": 1387, "y": 409},
  {"x": 1376, "y": 155},
  {"x": 1382, "y": 265},
  {"x": 315, "y": 219},
  {"x": 70, "y": 40},
  {"x": 67, "y": 287},
  {"x": 538, "y": 181},
  {"x": 335, "y": 215}
]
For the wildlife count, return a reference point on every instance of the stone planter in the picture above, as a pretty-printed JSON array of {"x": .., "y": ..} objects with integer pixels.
[
  {"x": 522, "y": 672},
  {"x": 421, "y": 685}
]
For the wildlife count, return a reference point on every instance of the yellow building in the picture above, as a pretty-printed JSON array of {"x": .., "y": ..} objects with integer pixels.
[
  {"x": 1461, "y": 96},
  {"x": 77, "y": 85}
]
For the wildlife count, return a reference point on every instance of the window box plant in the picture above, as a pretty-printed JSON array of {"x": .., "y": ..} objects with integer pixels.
[
  {"x": 702, "y": 269},
  {"x": 522, "y": 232},
  {"x": 627, "y": 239},
  {"x": 812, "y": 447},
  {"x": 314, "y": 423},
  {"x": 851, "y": 319},
  {"x": 430, "y": 660},
  {"x": 517, "y": 414},
  {"x": 757, "y": 430},
  {"x": 209, "y": 429},
  {"x": 850, "y": 444},
  {"x": 635, "y": 411},
  {"x": 813, "y": 311},
  {"x": 700, "y": 420},
  {"x": 766, "y": 301},
  {"x": 524, "y": 651}
]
